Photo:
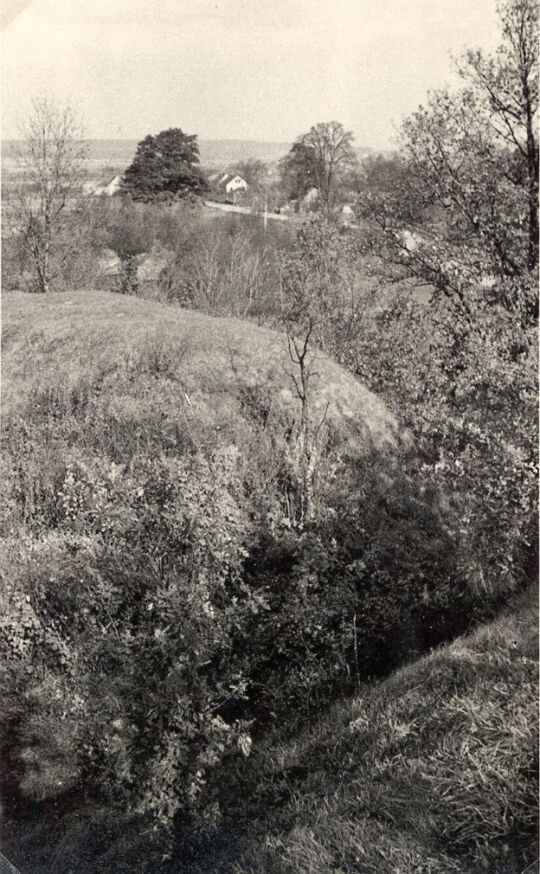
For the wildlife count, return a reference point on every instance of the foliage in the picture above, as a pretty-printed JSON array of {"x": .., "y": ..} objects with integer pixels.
[
  {"x": 128, "y": 234},
  {"x": 319, "y": 280},
  {"x": 225, "y": 268},
  {"x": 176, "y": 600},
  {"x": 211, "y": 531},
  {"x": 507, "y": 86},
  {"x": 297, "y": 171},
  {"x": 165, "y": 166},
  {"x": 463, "y": 217}
]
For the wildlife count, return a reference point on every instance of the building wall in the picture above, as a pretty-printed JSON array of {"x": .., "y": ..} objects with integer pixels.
[{"x": 236, "y": 185}]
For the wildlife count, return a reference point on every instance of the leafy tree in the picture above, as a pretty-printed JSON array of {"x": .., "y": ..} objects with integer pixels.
[
  {"x": 320, "y": 158},
  {"x": 165, "y": 166},
  {"x": 472, "y": 171},
  {"x": 52, "y": 160},
  {"x": 508, "y": 88},
  {"x": 461, "y": 368},
  {"x": 297, "y": 170}
]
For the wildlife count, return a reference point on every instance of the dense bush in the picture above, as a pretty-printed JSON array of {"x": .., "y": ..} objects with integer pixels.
[{"x": 228, "y": 266}]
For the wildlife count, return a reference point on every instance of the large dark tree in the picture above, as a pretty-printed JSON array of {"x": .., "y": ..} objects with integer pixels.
[
  {"x": 298, "y": 171},
  {"x": 165, "y": 165}
]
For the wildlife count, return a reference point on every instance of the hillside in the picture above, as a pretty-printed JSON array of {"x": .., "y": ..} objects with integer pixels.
[
  {"x": 209, "y": 365},
  {"x": 157, "y": 572},
  {"x": 433, "y": 770}
]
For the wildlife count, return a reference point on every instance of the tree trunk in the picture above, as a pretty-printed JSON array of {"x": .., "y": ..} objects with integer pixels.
[{"x": 44, "y": 278}]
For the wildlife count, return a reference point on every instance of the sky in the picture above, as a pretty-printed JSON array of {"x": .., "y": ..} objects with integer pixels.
[{"x": 236, "y": 69}]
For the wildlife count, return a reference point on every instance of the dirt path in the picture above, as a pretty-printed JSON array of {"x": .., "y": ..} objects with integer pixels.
[{"x": 244, "y": 210}]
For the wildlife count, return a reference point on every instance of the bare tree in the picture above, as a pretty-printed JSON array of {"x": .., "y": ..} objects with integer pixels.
[
  {"x": 309, "y": 440},
  {"x": 333, "y": 154},
  {"x": 51, "y": 159}
]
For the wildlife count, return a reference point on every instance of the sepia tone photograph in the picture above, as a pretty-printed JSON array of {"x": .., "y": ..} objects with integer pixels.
[{"x": 269, "y": 437}]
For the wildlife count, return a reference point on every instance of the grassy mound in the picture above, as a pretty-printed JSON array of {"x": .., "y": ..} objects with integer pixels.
[
  {"x": 433, "y": 770},
  {"x": 213, "y": 368}
]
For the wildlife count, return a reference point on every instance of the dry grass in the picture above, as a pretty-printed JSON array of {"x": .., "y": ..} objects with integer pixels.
[
  {"x": 68, "y": 339},
  {"x": 433, "y": 770}
]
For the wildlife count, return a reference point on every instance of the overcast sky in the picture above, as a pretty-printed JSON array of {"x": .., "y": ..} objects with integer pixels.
[{"x": 236, "y": 69}]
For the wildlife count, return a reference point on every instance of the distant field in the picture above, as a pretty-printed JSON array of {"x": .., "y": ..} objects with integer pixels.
[{"x": 117, "y": 154}]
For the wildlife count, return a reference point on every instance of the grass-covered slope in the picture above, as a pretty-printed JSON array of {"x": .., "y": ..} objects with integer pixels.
[
  {"x": 211, "y": 366},
  {"x": 433, "y": 770}
]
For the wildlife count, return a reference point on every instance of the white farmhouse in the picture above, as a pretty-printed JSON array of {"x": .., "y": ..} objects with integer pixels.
[
  {"x": 235, "y": 183},
  {"x": 229, "y": 185},
  {"x": 102, "y": 188}
]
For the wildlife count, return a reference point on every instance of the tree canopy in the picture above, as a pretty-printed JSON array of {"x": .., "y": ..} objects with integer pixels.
[
  {"x": 165, "y": 165},
  {"x": 460, "y": 218}
]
